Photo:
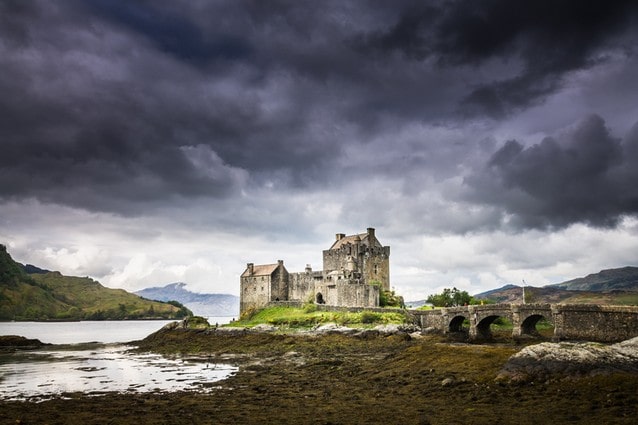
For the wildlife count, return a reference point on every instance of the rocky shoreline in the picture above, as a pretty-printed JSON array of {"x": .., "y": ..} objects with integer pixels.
[{"x": 332, "y": 375}]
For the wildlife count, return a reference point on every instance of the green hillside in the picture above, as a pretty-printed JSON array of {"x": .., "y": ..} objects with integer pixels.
[{"x": 52, "y": 296}]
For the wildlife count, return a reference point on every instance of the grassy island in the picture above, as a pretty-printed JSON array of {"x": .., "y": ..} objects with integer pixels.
[{"x": 308, "y": 316}]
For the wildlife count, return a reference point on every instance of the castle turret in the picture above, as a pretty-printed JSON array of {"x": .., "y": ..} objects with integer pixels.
[{"x": 357, "y": 246}]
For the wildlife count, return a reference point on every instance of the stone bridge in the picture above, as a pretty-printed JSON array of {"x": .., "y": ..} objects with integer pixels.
[{"x": 592, "y": 322}]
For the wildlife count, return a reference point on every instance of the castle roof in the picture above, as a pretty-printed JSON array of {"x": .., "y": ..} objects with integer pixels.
[
  {"x": 260, "y": 270},
  {"x": 362, "y": 237}
]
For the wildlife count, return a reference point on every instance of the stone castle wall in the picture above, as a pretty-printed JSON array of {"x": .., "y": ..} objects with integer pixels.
[
  {"x": 348, "y": 293},
  {"x": 255, "y": 292},
  {"x": 359, "y": 261},
  {"x": 376, "y": 266},
  {"x": 280, "y": 284},
  {"x": 302, "y": 285}
]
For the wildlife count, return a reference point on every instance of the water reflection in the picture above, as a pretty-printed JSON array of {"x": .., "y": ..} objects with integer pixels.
[{"x": 43, "y": 374}]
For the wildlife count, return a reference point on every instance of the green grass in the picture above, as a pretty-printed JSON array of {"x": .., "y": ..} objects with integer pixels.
[
  {"x": 627, "y": 299},
  {"x": 308, "y": 317}
]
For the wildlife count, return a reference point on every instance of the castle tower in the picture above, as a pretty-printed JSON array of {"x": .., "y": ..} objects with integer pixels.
[{"x": 361, "y": 253}]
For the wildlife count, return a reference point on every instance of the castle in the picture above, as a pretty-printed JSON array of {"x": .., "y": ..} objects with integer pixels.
[{"x": 355, "y": 269}]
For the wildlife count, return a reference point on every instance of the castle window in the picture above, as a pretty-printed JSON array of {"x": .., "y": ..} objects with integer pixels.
[{"x": 376, "y": 268}]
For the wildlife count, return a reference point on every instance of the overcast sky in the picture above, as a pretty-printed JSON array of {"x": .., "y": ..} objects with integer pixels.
[{"x": 488, "y": 142}]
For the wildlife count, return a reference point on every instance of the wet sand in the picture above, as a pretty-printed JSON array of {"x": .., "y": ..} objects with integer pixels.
[{"x": 339, "y": 379}]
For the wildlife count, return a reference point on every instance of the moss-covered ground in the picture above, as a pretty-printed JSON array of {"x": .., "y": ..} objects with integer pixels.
[
  {"x": 337, "y": 379},
  {"x": 309, "y": 316}
]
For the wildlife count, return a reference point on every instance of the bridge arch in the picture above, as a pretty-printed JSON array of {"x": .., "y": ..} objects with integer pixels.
[
  {"x": 456, "y": 324},
  {"x": 483, "y": 327},
  {"x": 528, "y": 326},
  {"x": 530, "y": 320}
]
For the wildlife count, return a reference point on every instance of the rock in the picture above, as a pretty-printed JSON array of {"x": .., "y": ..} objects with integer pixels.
[
  {"x": 448, "y": 382},
  {"x": 367, "y": 334},
  {"x": 416, "y": 335},
  {"x": 409, "y": 328},
  {"x": 262, "y": 327},
  {"x": 14, "y": 341},
  {"x": 393, "y": 329},
  {"x": 550, "y": 360},
  {"x": 334, "y": 328},
  {"x": 387, "y": 329},
  {"x": 173, "y": 325}
]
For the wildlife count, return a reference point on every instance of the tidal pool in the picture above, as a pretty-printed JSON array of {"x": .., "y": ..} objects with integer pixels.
[{"x": 42, "y": 374}]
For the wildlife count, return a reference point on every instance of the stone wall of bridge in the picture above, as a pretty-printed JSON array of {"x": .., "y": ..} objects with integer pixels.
[
  {"x": 604, "y": 323},
  {"x": 590, "y": 322}
]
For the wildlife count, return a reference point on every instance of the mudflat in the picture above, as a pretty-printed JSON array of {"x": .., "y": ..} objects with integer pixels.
[{"x": 333, "y": 378}]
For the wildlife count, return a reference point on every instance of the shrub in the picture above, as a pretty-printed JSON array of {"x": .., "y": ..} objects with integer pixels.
[
  {"x": 370, "y": 317},
  {"x": 309, "y": 308},
  {"x": 197, "y": 322}
]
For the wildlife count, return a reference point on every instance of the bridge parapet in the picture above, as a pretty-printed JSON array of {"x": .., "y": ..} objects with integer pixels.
[
  {"x": 592, "y": 322},
  {"x": 595, "y": 322}
]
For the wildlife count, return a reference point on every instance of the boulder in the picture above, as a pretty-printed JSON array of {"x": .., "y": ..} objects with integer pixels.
[{"x": 556, "y": 360}]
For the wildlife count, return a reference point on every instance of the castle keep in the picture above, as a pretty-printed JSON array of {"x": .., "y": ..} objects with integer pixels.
[{"x": 355, "y": 269}]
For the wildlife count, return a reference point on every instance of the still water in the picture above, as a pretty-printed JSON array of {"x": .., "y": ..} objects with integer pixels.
[
  {"x": 44, "y": 374},
  {"x": 97, "y": 368},
  {"x": 107, "y": 331}
]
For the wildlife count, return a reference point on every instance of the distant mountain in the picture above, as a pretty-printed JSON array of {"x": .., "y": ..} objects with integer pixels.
[
  {"x": 511, "y": 294},
  {"x": 206, "y": 305},
  {"x": 415, "y": 304},
  {"x": 507, "y": 293},
  {"x": 625, "y": 279},
  {"x": 48, "y": 295},
  {"x": 614, "y": 286}
]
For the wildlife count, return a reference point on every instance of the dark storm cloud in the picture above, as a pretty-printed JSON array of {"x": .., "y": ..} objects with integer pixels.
[
  {"x": 111, "y": 125},
  {"x": 549, "y": 39},
  {"x": 120, "y": 106},
  {"x": 171, "y": 32},
  {"x": 584, "y": 175},
  {"x": 12, "y": 21}
]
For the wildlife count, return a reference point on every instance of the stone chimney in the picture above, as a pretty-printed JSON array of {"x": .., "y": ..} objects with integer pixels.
[
  {"x": 340, "y": 236},
  {"x": 308, "y": 268},
  {"x": 371, "y": 233},
  {"x": 251, "y": 268},
  {"x": 280, "y": 262}
]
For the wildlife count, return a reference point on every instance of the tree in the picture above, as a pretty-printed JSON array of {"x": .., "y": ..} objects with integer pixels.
[
  {"x": 182, "y": 312},
  {"x": 450, "y": 298}
]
